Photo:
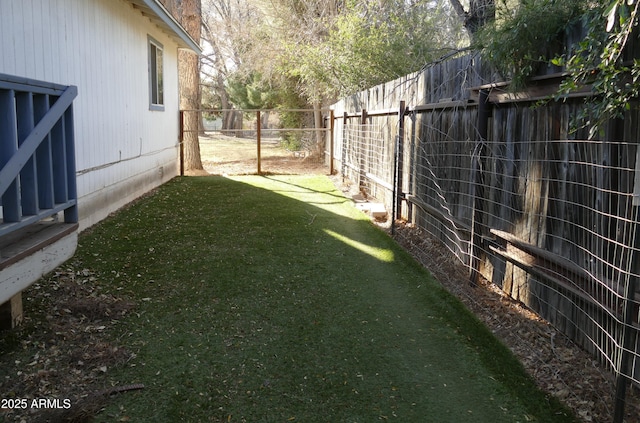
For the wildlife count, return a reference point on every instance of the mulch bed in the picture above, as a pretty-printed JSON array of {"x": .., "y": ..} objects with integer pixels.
[{"x": 66, "y": 323}]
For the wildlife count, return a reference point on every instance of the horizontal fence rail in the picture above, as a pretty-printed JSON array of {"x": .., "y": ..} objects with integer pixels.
[{"x": 37, "y": 152}]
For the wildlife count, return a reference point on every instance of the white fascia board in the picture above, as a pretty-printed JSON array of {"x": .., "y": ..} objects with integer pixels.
[{"x": 159, "y": 15}]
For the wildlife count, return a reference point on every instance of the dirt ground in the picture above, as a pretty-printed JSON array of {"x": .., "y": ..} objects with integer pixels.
[
  {"x": 74, "y": 356},
  {"x": 228, "y": 155}
]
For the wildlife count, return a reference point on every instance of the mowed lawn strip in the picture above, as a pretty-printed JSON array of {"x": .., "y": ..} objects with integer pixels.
[{"x": 272, "y": 299}]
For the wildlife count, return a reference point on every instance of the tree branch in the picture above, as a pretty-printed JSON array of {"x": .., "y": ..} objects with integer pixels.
[{"x": 457, "y": 6}]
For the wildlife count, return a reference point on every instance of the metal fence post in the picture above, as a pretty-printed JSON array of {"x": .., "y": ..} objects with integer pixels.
[
  {"x": 181, "y": 141},
  {"x": 332, "y": 118},
  {"x": 345, "y": 137},
  {"x": 477, "y": 225},
  {"x": 412, "y": 163},
  {"x": 622, "y": 379},
  {"x": 362, "y": 161},
  {"x": 397, "y": 171}
]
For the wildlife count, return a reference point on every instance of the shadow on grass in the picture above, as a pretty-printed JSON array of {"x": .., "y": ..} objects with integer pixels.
[{"x": 272, "y": 299}]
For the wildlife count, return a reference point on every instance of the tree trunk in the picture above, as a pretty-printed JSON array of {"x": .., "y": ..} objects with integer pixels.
[
  {"x": 189, "y": 82},
  {"x": 227, "y": 113},
  {"x": 228, "y": 117},
  {"x": 320, "y": 139},
  {"x": 238, "y": 123},
  {"x": 480, "y": 13}
]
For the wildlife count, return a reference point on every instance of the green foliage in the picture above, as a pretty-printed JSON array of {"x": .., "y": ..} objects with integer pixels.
[
  {"x": 322, "y": 50},
  {"x": 251, "y": 92},
  {"x": 288, "y": 101},
  {"x": 369, "y": 43},
  {"x": 529, "y": 36},
  {"x": 255, "y": 92},
  {"x": 598, "y": 61},
  {"x": 325, "y": 50},
  {"x": 517, "y": 45}
]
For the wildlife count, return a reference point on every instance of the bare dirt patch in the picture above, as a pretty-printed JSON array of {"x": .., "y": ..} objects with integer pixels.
[
  {"x": 64, "y": 336},
  {"x": 228, "y": 155}
]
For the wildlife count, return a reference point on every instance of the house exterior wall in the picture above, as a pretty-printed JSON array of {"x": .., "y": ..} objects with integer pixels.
[{"x": 123, "y": 149}]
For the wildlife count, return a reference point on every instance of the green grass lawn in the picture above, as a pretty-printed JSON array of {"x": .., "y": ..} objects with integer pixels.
[{"x": 272, "y": 299}]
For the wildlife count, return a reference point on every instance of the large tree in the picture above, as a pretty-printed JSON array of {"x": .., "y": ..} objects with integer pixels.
[
  {"x": 189, "y": 69},
  {"x": 228, "y": 34},
  {"x": 311, "y": 52},
  {"x": 189, "y": 14},
  {"x": 332, "y": 49}
]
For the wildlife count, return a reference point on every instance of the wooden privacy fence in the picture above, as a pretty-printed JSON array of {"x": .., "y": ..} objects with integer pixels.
[{"x": 544, "y": 212}]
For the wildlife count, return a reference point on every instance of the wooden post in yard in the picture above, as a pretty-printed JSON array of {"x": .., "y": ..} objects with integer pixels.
[
  {"x": 258, "y": 138},
  {"x": 11, "y": 312}
]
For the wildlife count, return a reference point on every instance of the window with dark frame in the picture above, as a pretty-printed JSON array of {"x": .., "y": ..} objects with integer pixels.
[{"x": 156, "y": 90}]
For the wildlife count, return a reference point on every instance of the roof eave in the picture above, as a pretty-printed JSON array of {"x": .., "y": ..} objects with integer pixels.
[{"x": 160, "y": 16}]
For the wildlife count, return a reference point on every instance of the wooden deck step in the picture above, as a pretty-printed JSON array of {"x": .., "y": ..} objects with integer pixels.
[
  {"x": 27, "y": 255},
  {"x": 20, "y": 244}
]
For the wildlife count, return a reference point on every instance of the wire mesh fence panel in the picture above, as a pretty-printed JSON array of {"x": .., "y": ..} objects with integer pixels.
[
  {"x": 366, "y": 147},
  {"x": 559, "y": 218},
  {"x": 440, "y": 174},
  {"x": 518, "y": 191},
  {"x": 369, "y": 159},
  {"x": 559, "y": 223},
  {"x": 266, "y": 141},
  {"x": 566, "y": 253}
]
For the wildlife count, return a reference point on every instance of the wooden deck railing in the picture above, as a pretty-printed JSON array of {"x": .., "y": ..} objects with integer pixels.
[{"x": 37, "y": 153}]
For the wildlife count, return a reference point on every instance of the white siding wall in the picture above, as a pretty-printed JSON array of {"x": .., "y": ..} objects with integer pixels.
[{"x": 122, "y": 148}]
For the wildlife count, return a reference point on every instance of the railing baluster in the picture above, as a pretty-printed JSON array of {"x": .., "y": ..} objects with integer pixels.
[
  {"x": 8, "y": 147},
  {"x": 37, "y": 153},
  {"x": 28, "y": 182},
  {"x": 70, "y": 214},
  {"x": 59, "y": 162},
  {"x": 44, "y": 159}
]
